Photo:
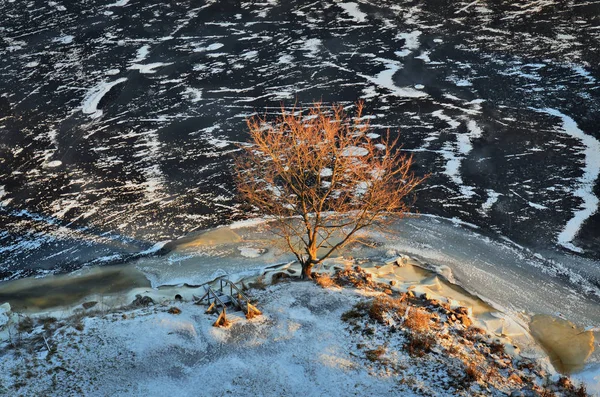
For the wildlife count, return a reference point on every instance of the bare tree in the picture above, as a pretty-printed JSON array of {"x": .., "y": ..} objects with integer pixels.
[{"x": 322, "y": 177}]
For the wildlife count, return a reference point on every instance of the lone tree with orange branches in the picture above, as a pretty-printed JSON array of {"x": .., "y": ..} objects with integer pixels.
[{"x": 322, "y": 178}]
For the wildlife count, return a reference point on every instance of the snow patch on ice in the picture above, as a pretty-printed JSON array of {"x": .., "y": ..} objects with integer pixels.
[
  {"x": 253, "y": 222},
  {"x": 491, "y": 200},
  {"x": 250, "y": 252},
  {"x": 155, "y": 248},
  {"x": 142, "y": 53},
  {"x": 354, "y": 151},
  {"x": 53, "y": 164},
  {"x": 193, "y": 94},
  {"x": 591, "y": 378},
  {"x": 285, "y": 59},
  {"x": 385, "y": 79},
  {"x": 354, "y": 12},
  {"x": 66, "y": 39},
  {"x": 149, "y": 68},
  {"x": 411, "y": 40},
  {"x": 585, "y": 191},
  {"x": 94, "y": 96},
  {"x": 118, "y": 3},
  {"x": 312, "y": 46}
]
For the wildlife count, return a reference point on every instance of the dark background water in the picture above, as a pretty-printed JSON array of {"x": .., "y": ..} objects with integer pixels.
[{"x": 479, "y": 92}]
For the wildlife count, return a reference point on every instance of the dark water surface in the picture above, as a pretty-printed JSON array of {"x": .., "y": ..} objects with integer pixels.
[{"x": 118, "y": 122}]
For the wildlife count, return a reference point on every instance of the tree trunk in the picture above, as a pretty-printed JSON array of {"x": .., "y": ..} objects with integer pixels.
[{"x": 307, "y": 270}]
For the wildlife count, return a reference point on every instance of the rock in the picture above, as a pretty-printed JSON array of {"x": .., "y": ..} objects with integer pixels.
[
  {"x": 387, "y": 291},
  {"x": 87, "y": 305},
  {"x": 174, "y": 310},
  {"x": 393, "y": 282},
  {"x": 178, "y": 298},
  {"x": 465, "y": 320},
  {"x": 515, "y": 378},
  {"x": 142, "y": 301},
  {"x": 433, "y": 302},
  {"x": 410, "y": 294},
  {"x": 4, "y": 314},
  {"x": 402, "y": 261},
  {"x": 425, "y": 296},
  {"x": 463, "y": 310}
]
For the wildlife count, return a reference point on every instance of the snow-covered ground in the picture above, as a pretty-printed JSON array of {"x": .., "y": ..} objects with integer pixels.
[{"x": 300, "y": 345}]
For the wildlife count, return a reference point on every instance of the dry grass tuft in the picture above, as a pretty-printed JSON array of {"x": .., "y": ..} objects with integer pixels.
[
  {"x": 514, "y": 378},
  {"x": 547, "y": 393},
  {"x": 384, "y": 306},
  {"x": 25, "y": 325},
  {"x": 472, "y": 333},
  {"x": 358, "y": 311},
  {"x": 376, "y": 354},
  {"x": 324, "y": 280},
  {"x": 418, "y": 321},
  {"x": 497, "y": 348},
  {"x": 472, "y": 372},
  {"x": 419, "y": 344},
  {"x": 174, "y": 310}
]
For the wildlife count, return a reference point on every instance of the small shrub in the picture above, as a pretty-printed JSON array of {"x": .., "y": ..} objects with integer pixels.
[
  {"x": 497, "y": 348},
  {"x": 355, "y": 277},
  {"x": 564, "y": 382},
  {"x": 581, "y": 391}
]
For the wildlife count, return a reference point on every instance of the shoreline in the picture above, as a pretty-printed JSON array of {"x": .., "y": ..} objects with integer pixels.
[{"x": 245, "y": 249}]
